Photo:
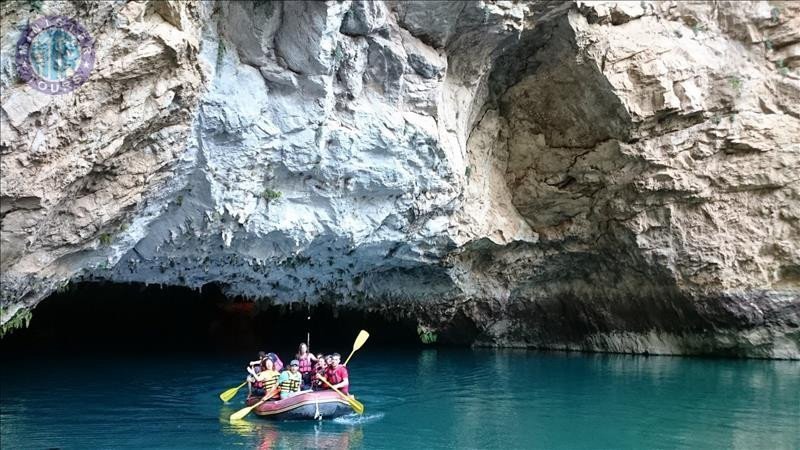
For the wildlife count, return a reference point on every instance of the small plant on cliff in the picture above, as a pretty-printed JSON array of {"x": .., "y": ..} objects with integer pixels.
[
  {"x": 220, "y": 54},
  {"x": 782, "y": 68},
  {"x": 21, "y": 319},
  {"x": 426, "y": 335},
  {"x": 35, "y": 5},
  {"x": 775, "y": 14},
  {"x": 338, "y": 54},
  {"x": 736, "y": 83},
  {"x": 270, "y": 195},
  {"x": 105, "y": 239},
  {"x": 63, "y": 288}
]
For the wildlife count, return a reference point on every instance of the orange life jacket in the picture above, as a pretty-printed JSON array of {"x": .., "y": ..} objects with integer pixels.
[{"x": 304, "y": 363}]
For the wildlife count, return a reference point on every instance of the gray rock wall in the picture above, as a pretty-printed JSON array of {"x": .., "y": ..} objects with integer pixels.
[{"x": 608, "y": 176}]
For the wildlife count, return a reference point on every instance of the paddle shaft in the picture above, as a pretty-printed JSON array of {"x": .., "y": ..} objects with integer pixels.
[{"x": 348, "y": 358}]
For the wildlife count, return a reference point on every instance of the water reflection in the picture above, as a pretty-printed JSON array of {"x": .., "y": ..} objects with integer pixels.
[
  {"x": 511, "y": 398},
  {"x": 263, "y": 434}
]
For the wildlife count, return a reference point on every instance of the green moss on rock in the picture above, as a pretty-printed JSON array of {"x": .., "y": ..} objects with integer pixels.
[
  {"x": 21, "y": 319},
  {"x": 426, "y": 335}
]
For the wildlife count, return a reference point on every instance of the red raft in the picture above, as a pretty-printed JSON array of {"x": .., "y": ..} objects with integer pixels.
[{"x": 308, "y": 405}]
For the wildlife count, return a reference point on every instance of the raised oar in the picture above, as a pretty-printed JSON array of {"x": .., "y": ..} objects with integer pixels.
[
  {"x": 355, "y": 404},
  {"x": 230, "y": 393},
  {"x": 239, "y": 415},
  {"x": 360, "y": 340}
]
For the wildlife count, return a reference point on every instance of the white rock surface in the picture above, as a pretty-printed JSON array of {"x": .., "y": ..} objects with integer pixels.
[{"x": 610, "y": 176}]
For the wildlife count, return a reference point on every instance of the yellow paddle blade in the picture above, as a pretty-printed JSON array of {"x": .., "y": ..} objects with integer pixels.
[
  {"x": 356, "y": 405},
  {"x": 230, "y": 393},
  {"x": 239, "y": 415},
  {"x": 360, "y": 340}
]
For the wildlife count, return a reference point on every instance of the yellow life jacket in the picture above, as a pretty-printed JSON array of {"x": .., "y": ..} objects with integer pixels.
[
  {"x": 291, "y": 384},
  {"x": 269, "y": 378}
]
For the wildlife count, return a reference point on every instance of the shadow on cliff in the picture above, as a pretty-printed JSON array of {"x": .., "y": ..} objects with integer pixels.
[{"x": 133, "y": 318}]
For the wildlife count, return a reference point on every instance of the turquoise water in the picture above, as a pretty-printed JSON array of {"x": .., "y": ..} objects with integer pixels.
[{"x": 414, "y": 399}]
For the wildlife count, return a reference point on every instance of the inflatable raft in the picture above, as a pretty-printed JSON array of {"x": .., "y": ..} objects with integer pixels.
[{"x": 308, "y": 405}]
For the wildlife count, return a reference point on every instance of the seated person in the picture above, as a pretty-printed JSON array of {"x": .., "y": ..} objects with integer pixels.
[
  {"x": 276, "y": 361},
  {"x": 319, "y": 369},
  {"x": 268, "y": 378},
  {"x": 253, "y": 367},
  {"x": 336, "y": 374},
  {"x": 290, "y": 380},
  {"x": 256, "y": 365}
]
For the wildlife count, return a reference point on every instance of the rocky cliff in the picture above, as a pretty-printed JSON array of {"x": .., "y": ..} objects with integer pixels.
[{"x": 609, "y": 176}]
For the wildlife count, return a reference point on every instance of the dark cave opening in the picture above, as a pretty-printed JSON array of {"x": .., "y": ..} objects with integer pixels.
[{"x": 130, "y": 318}]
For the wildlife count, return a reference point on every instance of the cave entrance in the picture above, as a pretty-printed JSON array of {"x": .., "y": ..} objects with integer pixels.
[{"x": 114, "y": 317}]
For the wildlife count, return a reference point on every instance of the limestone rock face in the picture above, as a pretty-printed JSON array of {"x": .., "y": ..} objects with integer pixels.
[{"x": 610, "y": 176}]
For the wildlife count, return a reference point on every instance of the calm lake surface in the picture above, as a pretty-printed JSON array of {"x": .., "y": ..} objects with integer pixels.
[{"x": 416, "y": 399}]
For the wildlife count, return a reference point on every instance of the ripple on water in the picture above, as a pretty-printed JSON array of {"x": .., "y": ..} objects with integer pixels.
[{"x": 359, "y": 419}]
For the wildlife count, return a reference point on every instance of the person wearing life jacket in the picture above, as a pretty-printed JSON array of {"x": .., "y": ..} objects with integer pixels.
[
  {"x": 275, "y": 361},
  {"x": 290, "y": 380},
  {"x": 306, "y": 367},
  {"x": 254, "y": 367},
  {"x": 336, "y": 374},
  {"x": 268, "y": 379},
  {"x": 319, "y": 369}
]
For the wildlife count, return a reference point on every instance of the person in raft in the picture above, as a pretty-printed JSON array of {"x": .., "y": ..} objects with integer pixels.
[
  {"x": 336, "y": 374},
  {"x": 290, "y": 380},
  {"x": 306, "y": 367},
  {"x": 319, "y": 369},
  {"x": 275, "y": 361},
  {"x": 268, "y": 378},
  {"x": 254, "y": 367}
]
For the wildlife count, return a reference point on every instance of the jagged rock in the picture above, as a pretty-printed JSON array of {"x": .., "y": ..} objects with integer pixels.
[
  {"x": 606, "y": 176},
  {"x": 364, "y": 17}
]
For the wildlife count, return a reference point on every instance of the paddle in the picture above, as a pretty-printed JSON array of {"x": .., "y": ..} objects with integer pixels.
[
  {"x": 238, "y": 415},
  {"x": 360, "y": 340},
  {"x": 355, "y": 404},
  {"x": 230, "y": 393}
]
